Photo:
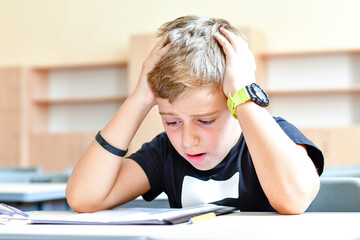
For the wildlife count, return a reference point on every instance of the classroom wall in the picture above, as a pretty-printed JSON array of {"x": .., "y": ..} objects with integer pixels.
[{"x": 36, "y": 32}]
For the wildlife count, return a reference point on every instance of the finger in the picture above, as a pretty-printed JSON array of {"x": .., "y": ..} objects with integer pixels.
[
  {"x": 158, "y": 46},
  {"x": 160, "y": 43},
  {"x": 160, "y": 53},
  {"x": 155, "y": 55},
  {"x": 159, "y": 50},
  {"x": 230, "y": 36},
  {"x": 225, "y": 44},
  {"x": 164, "y": 50},
  {"x": 236, "y": 41}
]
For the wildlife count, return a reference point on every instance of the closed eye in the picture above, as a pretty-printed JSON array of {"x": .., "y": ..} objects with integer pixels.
[
  {"x": 173, "y": 123},
  {"x": 206, "y": 122}
]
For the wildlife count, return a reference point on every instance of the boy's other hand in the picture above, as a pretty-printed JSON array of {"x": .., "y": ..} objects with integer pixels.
[
  {"x": 240, "y": 62},
  {"x": 154, "y": 57}
]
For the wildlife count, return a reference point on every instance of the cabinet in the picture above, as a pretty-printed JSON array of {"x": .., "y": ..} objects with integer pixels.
[
  {"x": 318, "y": 91},
  {"x": 50, "y": 114},
  {"x": 10, "y": 115},
  {"x": 68, "y": 105}
]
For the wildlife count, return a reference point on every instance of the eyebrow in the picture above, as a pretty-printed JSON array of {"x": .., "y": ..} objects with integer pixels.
[{"x": 193, "y": 115}]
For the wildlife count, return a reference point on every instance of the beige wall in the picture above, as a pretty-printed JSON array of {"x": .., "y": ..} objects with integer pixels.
[{"x": 70, "y": 31}]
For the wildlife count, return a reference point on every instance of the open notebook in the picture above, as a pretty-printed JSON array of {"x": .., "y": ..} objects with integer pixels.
[{"x": 133, "y": 215}]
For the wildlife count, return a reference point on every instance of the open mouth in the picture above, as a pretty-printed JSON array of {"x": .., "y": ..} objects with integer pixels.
[
  {"x": 198, "y": 154},
  {"x": 195, "y": 158}
]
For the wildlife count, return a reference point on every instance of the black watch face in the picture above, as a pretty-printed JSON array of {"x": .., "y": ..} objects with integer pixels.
[{"x": 258, "y": 95}]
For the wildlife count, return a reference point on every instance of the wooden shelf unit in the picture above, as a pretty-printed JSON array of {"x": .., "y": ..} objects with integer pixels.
[
  {"x": 26, "y": 128},
  {"x": 11, "y": 118},
  {"x": 24, "y": 92},
  {"x": 263, "y": 58},
  {"x": 335, "y": 95}
]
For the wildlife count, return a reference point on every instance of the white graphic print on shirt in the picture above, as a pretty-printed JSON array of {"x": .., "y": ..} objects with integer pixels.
[{"x": 197, "y": 192}]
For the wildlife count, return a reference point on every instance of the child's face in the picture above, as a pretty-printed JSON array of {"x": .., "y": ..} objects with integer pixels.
[{"x": 200, "y": 127}]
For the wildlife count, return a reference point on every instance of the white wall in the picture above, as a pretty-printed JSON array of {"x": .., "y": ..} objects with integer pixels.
[{"x": 70, "y": 31}]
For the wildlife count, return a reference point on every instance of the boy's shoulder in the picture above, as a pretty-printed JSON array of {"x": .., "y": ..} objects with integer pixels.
[
  {"x": 286, "y": 126},
  {"x": 161, "y": 137},
  {"x": 159, "y": 143},
  {"x": 280, "y": 120}
]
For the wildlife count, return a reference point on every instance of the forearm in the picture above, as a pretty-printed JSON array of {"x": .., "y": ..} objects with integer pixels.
[
  {"x": 96, "y": 172},
  {"x": 286, "y": 173},
  {"x": 101, "y": 179}
]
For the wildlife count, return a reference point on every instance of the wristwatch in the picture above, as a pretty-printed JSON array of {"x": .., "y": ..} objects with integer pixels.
[{"x": 251, "y": 92}]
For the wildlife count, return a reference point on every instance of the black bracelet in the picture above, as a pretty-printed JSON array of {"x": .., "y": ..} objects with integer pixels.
[{"x": 108, "y": 147}]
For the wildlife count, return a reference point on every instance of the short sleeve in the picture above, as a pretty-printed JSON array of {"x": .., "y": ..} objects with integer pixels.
[
  {"x": 150, "y": 158},
  {"x": 313, "y": 151}
]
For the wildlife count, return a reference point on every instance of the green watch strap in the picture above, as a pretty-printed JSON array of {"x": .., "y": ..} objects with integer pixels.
[{"x": 238, "y": 98}]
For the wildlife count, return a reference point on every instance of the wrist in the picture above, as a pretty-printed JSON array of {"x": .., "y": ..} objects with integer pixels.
[
  {"x": 142, "y": 100},
  {"x": 144, "y": 96},
  {"x": 250, "y": 93},
  {"x": 232, "y": 89}
]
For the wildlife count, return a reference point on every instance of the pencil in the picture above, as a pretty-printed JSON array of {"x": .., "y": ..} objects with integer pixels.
[{"x": 201, "y": 218}]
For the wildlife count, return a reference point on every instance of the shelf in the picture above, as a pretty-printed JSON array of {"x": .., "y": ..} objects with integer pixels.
[
  {"x": 354, "y": 89},
  {"x": 47, "y": 134},
  {"x": 40, "y": 101},
  {"x": 74, "y": 66},
  {"x": 307, "y": 53}
]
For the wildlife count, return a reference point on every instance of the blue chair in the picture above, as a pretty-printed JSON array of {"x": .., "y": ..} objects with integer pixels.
[
  {"x": 337, "y": 194},
  {"x": 33, "y": 175},
  {"x": 342, "y": 171},
  {"x": 53, "y": 177},
  {"x": 18, "y": 174},
  {"x": 30, "y": 175}
]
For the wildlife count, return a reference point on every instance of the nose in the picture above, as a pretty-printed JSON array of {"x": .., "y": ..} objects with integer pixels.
[{"x": 190, "y": 138}]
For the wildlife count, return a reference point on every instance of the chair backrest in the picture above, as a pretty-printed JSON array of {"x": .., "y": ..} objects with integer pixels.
[
  {"x": 27, "y": 175},
  {"x": 337, "y": 194},
  {"x": 342, "y": 171}
]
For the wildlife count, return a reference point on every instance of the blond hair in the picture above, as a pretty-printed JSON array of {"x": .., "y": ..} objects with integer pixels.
[{"x": 195, "y": 58}]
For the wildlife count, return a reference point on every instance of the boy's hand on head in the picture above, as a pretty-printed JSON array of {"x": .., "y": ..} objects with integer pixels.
[
  {"x": 154, "y": 57},
  {"x": 240, "y": 62}
]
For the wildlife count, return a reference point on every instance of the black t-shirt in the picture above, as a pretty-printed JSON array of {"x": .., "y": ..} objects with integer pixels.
[{"x": 233, "y": 182}]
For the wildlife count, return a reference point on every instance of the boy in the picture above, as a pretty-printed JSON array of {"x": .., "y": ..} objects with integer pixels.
[{"x": 218, "y": 147}]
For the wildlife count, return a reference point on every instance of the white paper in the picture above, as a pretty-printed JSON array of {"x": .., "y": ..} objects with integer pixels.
[{"x": 126, "y": 215}]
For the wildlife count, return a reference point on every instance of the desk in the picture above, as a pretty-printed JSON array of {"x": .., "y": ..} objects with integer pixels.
[
  {"x": 43, "y": 195},
  {"x": 31, "y": 192},
  {"x": 232, "y": 226},
  {"x": 51, "y": 196}
]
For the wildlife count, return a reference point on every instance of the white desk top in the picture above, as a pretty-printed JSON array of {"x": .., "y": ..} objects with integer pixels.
[
  {"x": 36, "y": 192},
  {"x": 232, "y": 226},
  {"x": 31, "y": 192}
]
